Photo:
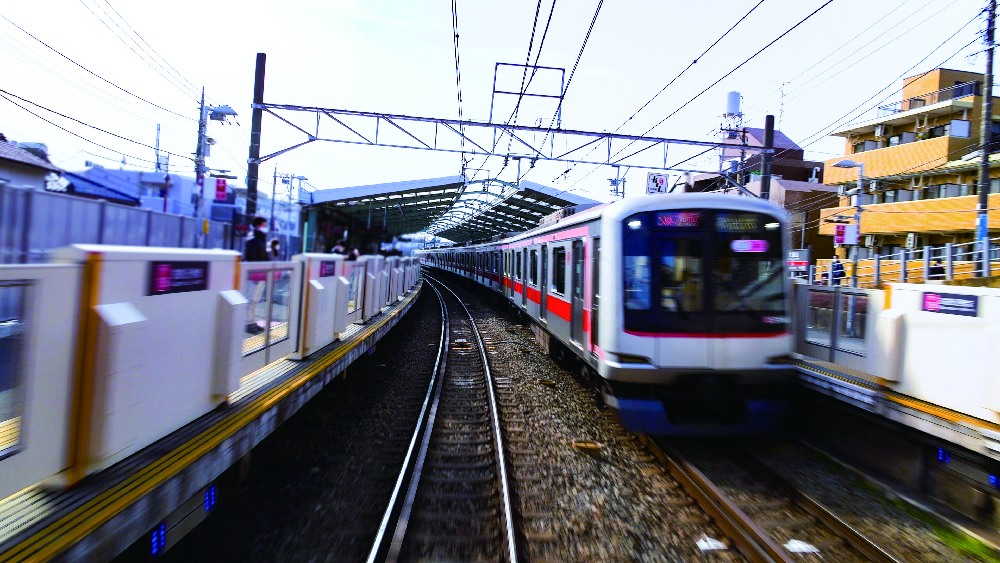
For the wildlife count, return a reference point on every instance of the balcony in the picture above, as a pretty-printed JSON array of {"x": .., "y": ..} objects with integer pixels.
[
  {"x": 906, "y": 158},
  {"x": 931, "y": 98},
  {"x": 946, "y": 214}
]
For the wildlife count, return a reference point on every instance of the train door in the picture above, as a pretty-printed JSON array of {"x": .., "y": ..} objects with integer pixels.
[
  {"x": 576, "y": 328},
  {"x": 543, "y": 283},
  {"x": 524, "y": 279},
  {"x": 595, "y": 292}
]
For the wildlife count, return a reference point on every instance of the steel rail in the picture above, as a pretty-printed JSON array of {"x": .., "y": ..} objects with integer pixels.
[
  {"x": 816, "y": 509},
  {"x": 379, "y": 546},
  {"x": 501, "y": 460},
  {"x": 750, "y": 539}
]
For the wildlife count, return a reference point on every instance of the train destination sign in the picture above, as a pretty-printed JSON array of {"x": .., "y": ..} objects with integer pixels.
[
  {"x": 736, "y": 223},
  {"x": 678, "y": 219},
  {"x": 952, "y": 304},
  {"x": 327, "y": 268},
  {"x": 177, "y": 277}
]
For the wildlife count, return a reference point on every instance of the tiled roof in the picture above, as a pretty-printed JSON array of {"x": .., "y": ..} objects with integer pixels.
[
  {"x": 85, "y": 186},
  {"x": 12, "y": 153}
]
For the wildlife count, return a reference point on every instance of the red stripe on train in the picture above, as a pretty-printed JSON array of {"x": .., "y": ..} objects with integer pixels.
[
  {"x": 534, "y": 295},
  {"x": 558, "y": 307},
  {"x": 706, "y": 334}
]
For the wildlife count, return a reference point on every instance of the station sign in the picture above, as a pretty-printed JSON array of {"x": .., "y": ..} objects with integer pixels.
[
  {"x": 798, "y": 260},
  {"x": 952, "y": 304},
  {"x": 327, "y": 268},
  {"x": 846, "y": 235},
  {"x": 177, "y": 277},
  {"x": 656, "y": 183},
  {"x": 220, "y": 189}
]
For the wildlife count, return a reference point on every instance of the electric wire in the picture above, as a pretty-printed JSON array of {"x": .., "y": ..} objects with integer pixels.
[
  {"x": 172, "y": 81},
  {"x": 5, "y": 93},
  {"x": 54, "y": 50}
]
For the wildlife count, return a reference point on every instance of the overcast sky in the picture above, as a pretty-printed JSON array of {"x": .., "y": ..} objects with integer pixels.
[{"x": 396, "y": 56}]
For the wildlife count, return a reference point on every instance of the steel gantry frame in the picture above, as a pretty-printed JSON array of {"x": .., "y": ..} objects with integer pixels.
[{"x": 468, "y": 137}]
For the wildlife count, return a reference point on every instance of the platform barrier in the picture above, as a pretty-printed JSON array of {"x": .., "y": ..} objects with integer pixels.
[{"x": 130, "y": 365}]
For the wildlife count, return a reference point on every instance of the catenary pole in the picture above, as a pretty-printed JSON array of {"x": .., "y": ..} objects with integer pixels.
[
  {"x": 253, "y": 165},
  {"x": 982, "y": 230}
]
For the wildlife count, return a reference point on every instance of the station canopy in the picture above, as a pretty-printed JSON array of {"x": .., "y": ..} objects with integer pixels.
[{"x": 453, "y": 207}]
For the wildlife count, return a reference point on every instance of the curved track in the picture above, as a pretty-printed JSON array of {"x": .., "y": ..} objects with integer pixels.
[{"x": 452, "y": 499}]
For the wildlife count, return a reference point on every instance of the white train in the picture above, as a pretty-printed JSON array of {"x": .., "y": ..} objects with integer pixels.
[{"x": 676, "y": 306}]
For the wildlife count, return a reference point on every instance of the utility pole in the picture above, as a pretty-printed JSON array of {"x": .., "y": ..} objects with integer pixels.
[
  {"x": 158, "y": 147},
  {"x": 857, "y": 221},
  {"x": 199, "y": 156},
  {"x": 982, "y": 230},
  {"x": 765, "y": 165},
  {"x": 253, "y": 166}
]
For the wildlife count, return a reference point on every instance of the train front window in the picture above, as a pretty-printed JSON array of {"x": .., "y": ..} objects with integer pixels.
[
  {"x": 712, "y": 271},
  {"x": 681, "y": 284}
]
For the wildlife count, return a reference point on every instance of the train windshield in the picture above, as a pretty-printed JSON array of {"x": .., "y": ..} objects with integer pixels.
[{"x": 703, "y": 271}]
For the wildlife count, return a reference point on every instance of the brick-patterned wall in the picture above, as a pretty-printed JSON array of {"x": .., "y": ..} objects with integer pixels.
[
  {"x": 928, "y": 215},
  {"x": 908, "y": 158}
]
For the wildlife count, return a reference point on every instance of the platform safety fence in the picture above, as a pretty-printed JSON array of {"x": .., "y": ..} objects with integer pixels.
[
  {"x": 941, "y": 263},
  {"x": 834, "y": 323},
  {"x": 33, "y": 223}
]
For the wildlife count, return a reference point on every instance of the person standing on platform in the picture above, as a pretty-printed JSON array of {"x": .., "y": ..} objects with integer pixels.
[
  {"x": 838, "y": 270},
  {"x": 937, "y": 271},
  {"x": 274, "y": 252},
  {"x": 255, "y": 249}
]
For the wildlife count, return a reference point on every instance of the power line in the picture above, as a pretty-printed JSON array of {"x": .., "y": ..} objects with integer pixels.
[
  {"x": 56, "y": 51},
  {"x": 177, "y": 72},
  {"x": 5, "y": 93},
  {"x": 681, "y": 73},
  {"x": 562, "y": 96},
  {"x": 172, "y": 81}
]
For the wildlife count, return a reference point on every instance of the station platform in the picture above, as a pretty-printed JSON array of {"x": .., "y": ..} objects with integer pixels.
[
  {"x": 166, "y": 488},
  {"x": 873, "y": 395}
]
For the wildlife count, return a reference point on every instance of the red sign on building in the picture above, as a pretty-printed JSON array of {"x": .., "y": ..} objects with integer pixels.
[{"x": 220, "y": 189}]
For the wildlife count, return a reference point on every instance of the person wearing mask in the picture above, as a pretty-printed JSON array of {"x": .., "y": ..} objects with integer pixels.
[
  {"x": 255, "y": 249},
  {"x": 274, "y": 252},
  {"x": 340, "y": 248}
]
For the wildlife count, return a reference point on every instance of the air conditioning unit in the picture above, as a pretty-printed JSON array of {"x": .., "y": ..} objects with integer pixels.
[
  {"x": 881, "y": 131},
  {"x": 869, "y": 241},
  {"x": 841, "y": 190}
]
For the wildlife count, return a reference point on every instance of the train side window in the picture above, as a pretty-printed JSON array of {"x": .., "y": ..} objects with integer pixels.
[
  {"x": 533, "y": 268},
  {"x": 559, "y": 270},
  {"x": 518, "y": 269},
  {"x": 595, "y": 291}
]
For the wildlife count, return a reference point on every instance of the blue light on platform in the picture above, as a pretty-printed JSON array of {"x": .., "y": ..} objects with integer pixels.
[
  {"x": 210, "y": 498},
  {"x": 944, "y": 456},
  {"x": 158, "y": 539}
]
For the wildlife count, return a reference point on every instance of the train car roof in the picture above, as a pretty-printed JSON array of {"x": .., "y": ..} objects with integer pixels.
[{"x": 623, "y": 208}]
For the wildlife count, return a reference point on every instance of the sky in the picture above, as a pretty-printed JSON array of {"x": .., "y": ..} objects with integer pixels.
[{"x": 146, "y": 63}]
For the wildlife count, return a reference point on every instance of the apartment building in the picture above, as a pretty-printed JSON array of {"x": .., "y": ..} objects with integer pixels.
[{"x": 921, "y": 162}]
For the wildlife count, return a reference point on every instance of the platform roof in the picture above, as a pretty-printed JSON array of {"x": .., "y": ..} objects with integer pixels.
[{"x": 472, "y": 213}]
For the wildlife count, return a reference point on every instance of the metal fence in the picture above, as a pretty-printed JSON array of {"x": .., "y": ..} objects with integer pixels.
[
  {"x": 918, "y": 265},
  {"x": 33, "y": 223}
]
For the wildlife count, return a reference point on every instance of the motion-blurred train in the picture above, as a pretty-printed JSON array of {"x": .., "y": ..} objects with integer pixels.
[{"x": 676, "y": 307}]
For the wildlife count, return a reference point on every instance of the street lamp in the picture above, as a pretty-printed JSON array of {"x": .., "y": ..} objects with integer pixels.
[{"x": 857, "y": 208}]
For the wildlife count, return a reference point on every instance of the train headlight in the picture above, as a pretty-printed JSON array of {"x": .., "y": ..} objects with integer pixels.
[
  {"x": 636, "y": 224},
  {"x": 772, "y": 226}
]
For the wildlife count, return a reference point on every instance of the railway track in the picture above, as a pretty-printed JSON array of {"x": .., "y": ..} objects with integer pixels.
[
  {"x": 452, "y": 499},
  {"x": 767, "y": 518}
]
